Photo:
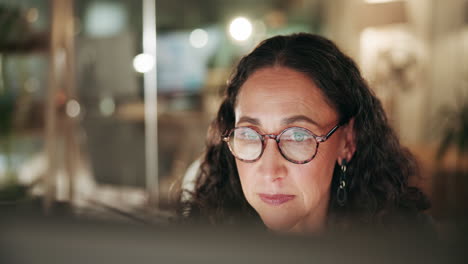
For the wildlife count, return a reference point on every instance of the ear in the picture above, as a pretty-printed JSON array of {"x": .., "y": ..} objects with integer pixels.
[{"x": 349, "y": 145}]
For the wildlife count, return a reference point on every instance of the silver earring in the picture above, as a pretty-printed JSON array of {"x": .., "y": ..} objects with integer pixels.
[{"x": 341, "y": 194}]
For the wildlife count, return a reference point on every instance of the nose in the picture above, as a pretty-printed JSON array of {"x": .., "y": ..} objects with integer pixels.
[{"x": 272, "y": 164}]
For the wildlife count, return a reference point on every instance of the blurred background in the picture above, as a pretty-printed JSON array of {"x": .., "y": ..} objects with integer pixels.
[{"x": 104, "y": 104}]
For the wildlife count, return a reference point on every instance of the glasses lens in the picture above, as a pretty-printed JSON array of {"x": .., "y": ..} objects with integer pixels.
[
  {"x": 298, "y": 144},
  {"x": 245, "y": 143}
]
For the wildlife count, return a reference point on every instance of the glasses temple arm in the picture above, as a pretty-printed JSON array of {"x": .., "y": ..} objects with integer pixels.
[{"x": 331, "y": 132}]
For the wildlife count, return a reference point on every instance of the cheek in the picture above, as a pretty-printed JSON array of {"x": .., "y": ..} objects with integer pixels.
[
  {"x": 245, "y": 179},
  {"x": 314, "y": 178},
  {"x": 312, "y": 181}
]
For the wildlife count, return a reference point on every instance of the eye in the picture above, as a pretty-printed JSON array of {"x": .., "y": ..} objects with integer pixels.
[
  {"x": 248, "y": 134},
  {"x": 299, "y": 136}
]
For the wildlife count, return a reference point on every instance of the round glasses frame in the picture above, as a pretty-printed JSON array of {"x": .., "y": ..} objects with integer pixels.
[{"x": 276, "y": 137}]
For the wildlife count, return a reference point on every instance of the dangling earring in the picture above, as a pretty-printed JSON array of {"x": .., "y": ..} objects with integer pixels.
[{"x": 341, "y": 194}]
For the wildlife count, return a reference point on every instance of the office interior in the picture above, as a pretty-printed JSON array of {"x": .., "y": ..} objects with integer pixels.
[{"x": 105, "y": 105}]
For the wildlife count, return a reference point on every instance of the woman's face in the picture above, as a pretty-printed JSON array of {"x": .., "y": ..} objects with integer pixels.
[{"x": 288, "y": 196}]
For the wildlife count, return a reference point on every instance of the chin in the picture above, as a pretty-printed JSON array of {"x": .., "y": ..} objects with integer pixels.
[{"x": 278, "y": 222}]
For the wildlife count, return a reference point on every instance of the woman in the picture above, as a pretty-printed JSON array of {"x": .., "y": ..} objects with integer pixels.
[{"x": 301, "y": 142}]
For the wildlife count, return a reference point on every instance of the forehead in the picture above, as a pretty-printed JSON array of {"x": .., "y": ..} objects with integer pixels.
[{"x": 282, "y": 92}]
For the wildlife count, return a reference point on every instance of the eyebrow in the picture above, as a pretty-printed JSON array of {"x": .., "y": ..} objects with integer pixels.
[
  {"x": 285, "y": 121},
  {"x": 248, "y": 119},
  {"x": 298, "y": 118}
]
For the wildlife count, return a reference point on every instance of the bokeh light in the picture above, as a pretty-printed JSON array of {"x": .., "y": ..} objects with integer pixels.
[
  {"x": 143, "y": 63},
  {"x": 73, "y": 108},
  {"x": 107, "y": 106},
  {"x": 198, "y": 38},
  {"x": 32, "y": 15},
  {"x": 240, "y": 28},
  {"x": 105, "y": 19}
]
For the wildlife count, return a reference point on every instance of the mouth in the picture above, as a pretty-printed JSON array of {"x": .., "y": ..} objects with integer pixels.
[{"x": 276, "y": 199}]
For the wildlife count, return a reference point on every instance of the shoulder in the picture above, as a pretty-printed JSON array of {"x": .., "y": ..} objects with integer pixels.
[{"x": 189, "y": 180}]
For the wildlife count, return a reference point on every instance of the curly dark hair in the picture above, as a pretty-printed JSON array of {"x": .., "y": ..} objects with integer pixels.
[{"x": 378, "y": 172}]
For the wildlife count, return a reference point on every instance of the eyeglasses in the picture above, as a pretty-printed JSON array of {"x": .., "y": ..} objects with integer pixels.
[{"x": 296, "y": 144}]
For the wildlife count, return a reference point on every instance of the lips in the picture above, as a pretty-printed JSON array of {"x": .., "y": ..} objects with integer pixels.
[{"x": 276, "y": 199}]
